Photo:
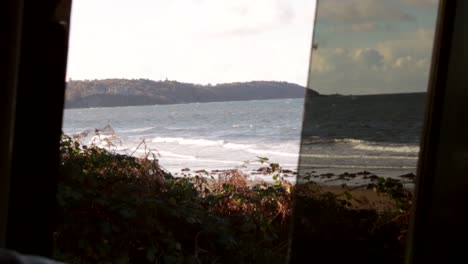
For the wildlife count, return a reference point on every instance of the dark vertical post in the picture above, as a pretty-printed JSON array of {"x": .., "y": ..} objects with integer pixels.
[
  {"x": 10, "y": 24},
  {"x": 440, "y": 222},
  {"x": 39, "y": 108}
]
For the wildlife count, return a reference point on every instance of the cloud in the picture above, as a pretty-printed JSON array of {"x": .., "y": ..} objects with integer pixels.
[
  {"x": 200, "y": 41},
  {"x": 421, "y": 3},
  {"x": 370, "y": 58},
  {"x": 228, "y": 17},
  {"x": 361, "y": 11},
  {"x": 364, "y": 27},
  {"x": 334, "y": 60},
  {"x": 416, "y": 44},
  {"x": 390, "y": 67}
]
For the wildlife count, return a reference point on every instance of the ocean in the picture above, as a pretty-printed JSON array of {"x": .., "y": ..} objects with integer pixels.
[{"x": 378, "y": 133}]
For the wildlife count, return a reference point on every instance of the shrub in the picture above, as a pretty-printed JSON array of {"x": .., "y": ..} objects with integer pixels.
[{"x": 121, "y": 209}]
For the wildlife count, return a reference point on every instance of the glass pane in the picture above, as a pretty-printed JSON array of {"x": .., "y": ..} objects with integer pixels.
[
  {"x": 361, "y": 131},
  {"x": 184, "y": 122}
]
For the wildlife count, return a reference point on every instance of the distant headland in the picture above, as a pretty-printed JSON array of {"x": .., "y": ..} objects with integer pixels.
[{"x": 134, "y": 92}]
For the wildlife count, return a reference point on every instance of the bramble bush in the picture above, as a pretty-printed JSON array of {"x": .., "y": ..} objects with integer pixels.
[{"x": 117, "y": 208}]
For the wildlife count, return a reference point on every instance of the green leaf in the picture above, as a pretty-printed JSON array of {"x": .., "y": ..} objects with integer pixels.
[
  {"x": 172, "y": 201},
  {"x": 170, "y": 259},
  {"x": 274, "y": 167},
  {"x": 247, "y": 227},
  {"x": 106, "y": 228},
  {"x": 151, "y": 253},
  {"x": 127, "y": 213},
  {"x": 121, "y": 260},
  {"x": 348, "y": 195}
]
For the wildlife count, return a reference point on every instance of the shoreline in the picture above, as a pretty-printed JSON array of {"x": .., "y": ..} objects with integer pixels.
[
  {"x": 358, "y": 195},
  {"x": 325, "y": 180}
]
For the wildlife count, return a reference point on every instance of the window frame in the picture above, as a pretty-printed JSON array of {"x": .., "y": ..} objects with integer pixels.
[{"x": 37, "y": 44}]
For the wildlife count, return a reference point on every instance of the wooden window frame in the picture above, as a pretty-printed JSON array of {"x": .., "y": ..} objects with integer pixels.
[{"x": 32, "y": 79}]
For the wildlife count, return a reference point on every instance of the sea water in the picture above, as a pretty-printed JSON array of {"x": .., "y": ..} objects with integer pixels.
[{"x": 378, "y": 133}]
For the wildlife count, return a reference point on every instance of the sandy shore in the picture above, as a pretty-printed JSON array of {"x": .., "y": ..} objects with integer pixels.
[{"x": 362, "y": 197}]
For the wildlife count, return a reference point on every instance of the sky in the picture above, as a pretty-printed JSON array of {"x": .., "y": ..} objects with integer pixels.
[
  {"x": 365, "y": 46},
  {"x": 372, "y": 46},
  {"x": 197, "y": 41}
]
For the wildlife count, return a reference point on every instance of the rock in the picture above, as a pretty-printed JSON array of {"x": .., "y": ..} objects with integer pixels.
[
  {"x": 373, "y": 177},
  {"x": 287, "y": 171},
  {"x": 264, "y": 170},
  {"x": 363, "y": 173},
  {"x": 327, "y": 175},
  {"x": 410, "y": 176},
  {"x": 186, "y": 169},
  {"x": 201, "y": 171}
]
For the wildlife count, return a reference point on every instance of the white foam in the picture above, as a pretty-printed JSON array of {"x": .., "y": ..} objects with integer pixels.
[
  {"x": 319, "y": 141},
  {"x": 236, "y": 146},
  {"x": 142, "y": 129},
  {"x": 184, "y": 141},
  {"x": 270, "y": 152},
  {"x": 165, "y": 154},
  {"x": 201, "y": 142},
  {"x": 329, "y": 156},
  {"x": 401, "y": 149},
  {"x": 238, "y": 125},
  {"x": 349, "y": 141},
  {"x": 345, "y": 166}
]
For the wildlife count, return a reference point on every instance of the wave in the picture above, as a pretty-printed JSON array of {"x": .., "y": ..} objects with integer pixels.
[
  {"x": 184, "y": 141},
  {"x": 236, "y": 146},
  {"x": 318, "y": 140},
  {"x": 344, "y": 166},
  {"x": 165, "y": 154},
  {"x": 201, "y": 160},
  {"x": 364, "y": 145},
  {"x": 270, "y": 152},
  {"x": 382, "y": 148},
  {"x": 331, "y": 156},
  {"x": 142, "y": 129},
  {"x": 348, "y": 141},
  {"x": 238, "y": 125},
  {"x": 201, "y": 142}
]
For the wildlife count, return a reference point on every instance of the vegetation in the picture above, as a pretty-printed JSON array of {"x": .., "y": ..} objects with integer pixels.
[{"x": 121, "y": 209}]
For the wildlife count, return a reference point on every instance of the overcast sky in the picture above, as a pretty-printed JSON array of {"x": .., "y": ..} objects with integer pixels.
[
  {"x": 199, "y": 41},
  {"x": 365, "y": 46}
]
